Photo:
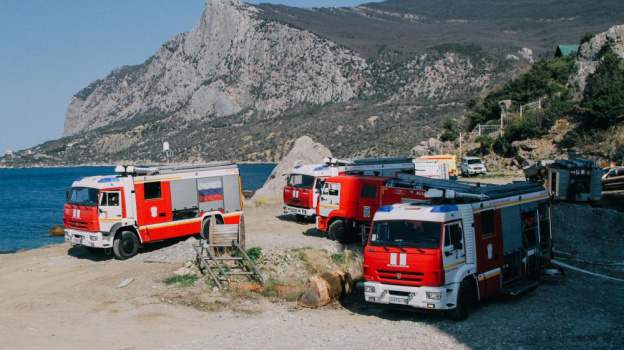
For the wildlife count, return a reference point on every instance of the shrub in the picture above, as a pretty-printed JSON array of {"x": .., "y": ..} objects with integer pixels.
[
  {"x": 254, "y": 253},
  {"x": 486, "y": 144}
]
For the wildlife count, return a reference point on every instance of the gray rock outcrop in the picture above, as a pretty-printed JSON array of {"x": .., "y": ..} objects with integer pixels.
[
  {"x": 230, "y": 62},
  {"x": 304, "y": 151},
  {"x": 591, "y": 53}
]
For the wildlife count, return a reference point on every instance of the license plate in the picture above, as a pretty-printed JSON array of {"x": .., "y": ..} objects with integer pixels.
[
  {"x": 76, "y": 239},
  {"x": 402, "y": 301}
]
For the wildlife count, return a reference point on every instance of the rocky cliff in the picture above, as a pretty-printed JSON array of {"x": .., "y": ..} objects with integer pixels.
[
  {"x": 247, "y": 81},
  {"x": 230, "y": 62},
  {"x": 591, "y": 53}
]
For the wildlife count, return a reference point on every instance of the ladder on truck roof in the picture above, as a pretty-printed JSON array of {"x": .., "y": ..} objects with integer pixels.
[
  {"x": 366, "y": 161},
  {"x": 471, "y": 191},
  {"x": 171, "y": 169},
  {"x": 228, "y": 239}
]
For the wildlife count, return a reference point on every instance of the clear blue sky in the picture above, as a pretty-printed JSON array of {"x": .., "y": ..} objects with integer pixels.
[{"x": 51, "y": 49}]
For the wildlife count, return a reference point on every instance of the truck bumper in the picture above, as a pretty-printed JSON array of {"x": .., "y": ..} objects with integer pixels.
[
  {"x": 380, "y": 293},
  {"x": 299, "y": 211},
  {"x": 88, "y": 239}
]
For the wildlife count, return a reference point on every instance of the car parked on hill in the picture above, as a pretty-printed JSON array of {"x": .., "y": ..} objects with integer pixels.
[
  {"x": 613, "y": 179},
  {"x": 472, "y": 166}
]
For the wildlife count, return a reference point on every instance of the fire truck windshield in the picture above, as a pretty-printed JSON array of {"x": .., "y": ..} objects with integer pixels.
[
  {"x": 406, "y": 233},
  {"x": 301, "y": 181},
  {"x": 83, "y": 196}
]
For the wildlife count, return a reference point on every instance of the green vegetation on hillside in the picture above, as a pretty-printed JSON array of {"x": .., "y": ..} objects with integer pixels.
[
  {"x": 601, "y": 106},
  {"x": 545, "y": 80},
  {"x": 604, "y": 96}
]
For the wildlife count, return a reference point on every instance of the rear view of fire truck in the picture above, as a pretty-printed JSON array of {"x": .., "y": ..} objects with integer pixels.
[
  {"x": 142, "y": 205},
  {"x": 467, "y": 243}
]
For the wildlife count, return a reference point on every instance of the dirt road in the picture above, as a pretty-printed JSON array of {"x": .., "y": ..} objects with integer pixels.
[{"x": 60, "y": 297}]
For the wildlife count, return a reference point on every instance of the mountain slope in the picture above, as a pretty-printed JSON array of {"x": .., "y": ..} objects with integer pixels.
[
  {"x": 247, "y": 81},
  {"x": 414, "y": 25}
]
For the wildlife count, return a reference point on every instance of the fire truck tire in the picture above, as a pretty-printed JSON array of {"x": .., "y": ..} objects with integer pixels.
[
  {"x": 126, "y": 245},
  {"x": 464, "y": 302},
  {"x": 338, "y": 231}
]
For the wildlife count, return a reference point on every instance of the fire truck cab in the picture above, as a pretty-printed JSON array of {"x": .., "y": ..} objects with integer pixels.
[
  {"x": 141, "y": 205},
  {"x": 465, "y": 245},
  {"x": 302, "y": 189},
  {"x": 305, "y": 181},
  {"x": 348, "y": 203}
]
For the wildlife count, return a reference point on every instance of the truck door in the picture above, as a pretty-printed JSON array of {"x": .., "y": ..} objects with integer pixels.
[
  {"x": 368, "y": 203},
  {"x": 330, "y": 198},
  {"x": 489, "y": 251},
  {"x": 454, "y": 250},
  {"x": 154, "y": 207},
  {"x": 109, "y": 209}
]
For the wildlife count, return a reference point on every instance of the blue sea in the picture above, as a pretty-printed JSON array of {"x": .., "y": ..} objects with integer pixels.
[{"x": 31, "y": 200}]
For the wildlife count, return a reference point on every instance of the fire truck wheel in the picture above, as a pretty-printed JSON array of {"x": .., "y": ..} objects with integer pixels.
[
  {"x": 464, "y": 302},
  {"x": 338, "y": 232},
  {"x": 126, "y": 245}
]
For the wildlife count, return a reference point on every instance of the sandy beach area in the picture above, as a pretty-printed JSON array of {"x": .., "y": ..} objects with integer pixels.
[{"x": 63, "y": 297}]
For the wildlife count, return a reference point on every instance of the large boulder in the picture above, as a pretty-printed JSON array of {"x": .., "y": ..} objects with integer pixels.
[
  {"x": 304, "y": 151},
  {"x": 427, "y": 148}
]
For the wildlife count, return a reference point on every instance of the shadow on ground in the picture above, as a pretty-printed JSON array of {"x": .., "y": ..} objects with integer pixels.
[{"x": 96, "y": 254}]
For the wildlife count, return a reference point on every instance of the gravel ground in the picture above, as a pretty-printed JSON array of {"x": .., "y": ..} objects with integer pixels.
[{"x": 576, "y": 312}]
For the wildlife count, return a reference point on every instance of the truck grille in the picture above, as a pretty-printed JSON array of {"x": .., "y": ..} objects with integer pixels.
[
  {"x": 405, "y": 276},
  {"x": 78, "y": 224}
]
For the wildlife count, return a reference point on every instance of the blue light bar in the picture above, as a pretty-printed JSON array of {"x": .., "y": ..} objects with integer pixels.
[
  {"x": 444, "y": 209},
  {"x": 108, "y": 179},
  {"x": 321, "y": 168},
  {"x": 386, "y": 208}
]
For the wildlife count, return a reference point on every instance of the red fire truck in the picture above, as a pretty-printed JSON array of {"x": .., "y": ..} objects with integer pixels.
[
  {"x": 146, "y": 204},
  {"x": 348, "y": 203},
  {"x": 304, "y": 182},
  {"x": 467, "y": 243}
]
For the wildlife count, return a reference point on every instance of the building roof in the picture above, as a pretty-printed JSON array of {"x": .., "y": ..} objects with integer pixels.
[{"x": 564, "y": 50}]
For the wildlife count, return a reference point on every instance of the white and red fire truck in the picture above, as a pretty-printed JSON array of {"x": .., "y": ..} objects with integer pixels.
[
  {"x": 467, "y": 243},
  {"x": 348, "y": 203},
  {"x": 304, "y": 182},
  {"x": 146, "y": 204}
]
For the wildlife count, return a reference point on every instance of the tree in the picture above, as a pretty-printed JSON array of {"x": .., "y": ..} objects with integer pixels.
[
  {"x": 604, "y": 96},
  {"x": 587, "y": 37},
  {"x": 450, "y": 130}
]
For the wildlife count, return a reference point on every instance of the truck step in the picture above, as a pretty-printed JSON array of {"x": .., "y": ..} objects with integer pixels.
[{"x": 519, "y": 287}]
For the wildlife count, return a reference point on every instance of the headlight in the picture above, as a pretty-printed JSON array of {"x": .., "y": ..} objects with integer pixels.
[
  {"x": 369, "y": 289},
  {"x": 434, "y": 295},
  {"x": 93, "y": 238}
]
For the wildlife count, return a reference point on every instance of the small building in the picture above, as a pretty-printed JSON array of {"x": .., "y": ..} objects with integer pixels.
[{"x": 564, "y": 50}]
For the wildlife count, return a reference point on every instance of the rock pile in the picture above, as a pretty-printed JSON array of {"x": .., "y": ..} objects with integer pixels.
[{"x": 304, "y": 151}]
